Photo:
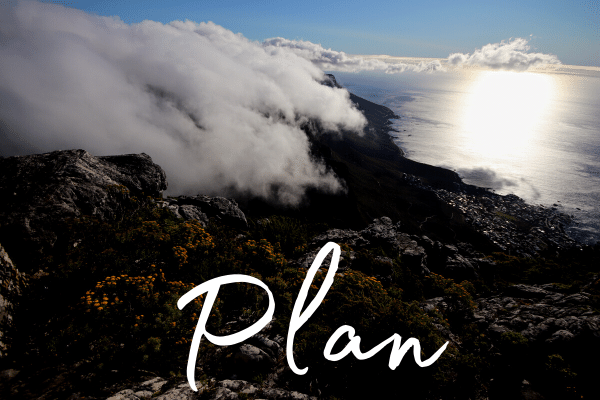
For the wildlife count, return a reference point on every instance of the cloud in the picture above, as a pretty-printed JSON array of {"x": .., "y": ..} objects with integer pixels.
[
  {"x": 218, "y": 112},
  {"x": 511, "y": 55},
  {"x": 332, "y": 60},
  {"x": 485, "y": 177}
]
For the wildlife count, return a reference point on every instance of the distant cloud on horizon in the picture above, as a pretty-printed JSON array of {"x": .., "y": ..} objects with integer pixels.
[
  {"x": 332, "y": 60},
  {"x": 507, "y": 55}
]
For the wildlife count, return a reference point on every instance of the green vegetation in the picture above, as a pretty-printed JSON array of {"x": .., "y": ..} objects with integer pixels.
[
  {"x": 506, "y": 216},
  {"x": 114, "y": 287},
  {"x": 569, "y": 269}
]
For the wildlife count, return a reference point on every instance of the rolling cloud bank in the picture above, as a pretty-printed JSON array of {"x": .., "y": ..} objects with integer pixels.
[
  {"x": 214, "y": 109},
  {"x": 217, "y": 111}
]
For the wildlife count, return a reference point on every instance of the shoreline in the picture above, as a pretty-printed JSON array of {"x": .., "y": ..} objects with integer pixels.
[
  {"x": 508, "y": 221},
  {"x": 568, "y": 187},
  {"x": 570, "y": 221}
]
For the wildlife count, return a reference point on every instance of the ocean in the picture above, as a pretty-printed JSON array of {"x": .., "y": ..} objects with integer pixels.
[{"x": 532, "y": 134}]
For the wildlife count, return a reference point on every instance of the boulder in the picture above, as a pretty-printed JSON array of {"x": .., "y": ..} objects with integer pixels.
[
  {"x": 143, "y": 390},
  {"x": 306, "y": 261},
  {"x": 228, "y": 389},
  {"x": 412, "y": 255},
  {"x": 37, "y": 192},
  {"x": 251, "y": 356},
  {"x": 346, "y": 236},
  {"x": 203, "y": 208},
  {"x": 459, "y": 268},
  {"x": 272, "y": 348},
  {"x": 382, "y": 232}
]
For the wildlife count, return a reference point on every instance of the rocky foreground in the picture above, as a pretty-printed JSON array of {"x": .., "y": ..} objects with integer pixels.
[
  {"x": 556, "y": 324},
  {"x": 93, "y": 258}
]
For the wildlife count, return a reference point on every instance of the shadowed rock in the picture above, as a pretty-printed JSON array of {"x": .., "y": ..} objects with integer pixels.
[
  {"x": 203, "y": 208},
  {"x": 12, "y": 283},
  {"x": 541, "y": 315},
  {"x": 39, "y": 191}
]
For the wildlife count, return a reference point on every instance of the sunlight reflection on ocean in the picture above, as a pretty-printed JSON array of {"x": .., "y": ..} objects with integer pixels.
[{"x": 534, "y": 134}]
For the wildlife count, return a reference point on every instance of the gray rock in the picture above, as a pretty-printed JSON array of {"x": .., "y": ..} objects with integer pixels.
[
  {"x": 436, "y": 303},
  {"x": 189, "y": 211},
  {"x": 459, "y": 268},
  {"x": 411, "y": 254},
  {"x": 271, "y": 347},
  {"x": 502, "y": 219},
  {"x": 307, "y": 260},
  {"x": 250, "y": 355},
  {"x": 229, "y": 389},
  {"x": 141, "y": 391},
  {"x": 223, "y": 393},
  {"x": 204, "y": 208},
  {"x": 329, "y": 80},
  {"x": 527, "y": 291},
  {"x": 38, "y": 191},
  {"x": 347, "y": 236},
  {"x": 183, "y": 391},
  {"x": 541, "y": 316},
  {"x": 561, "y": 336},
  {"x": 12, "y": 283},
  {"x": 383, "y": 232}
]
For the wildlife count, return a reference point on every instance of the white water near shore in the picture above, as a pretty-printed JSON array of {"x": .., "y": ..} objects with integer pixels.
[{"x": 534, "y": 134}]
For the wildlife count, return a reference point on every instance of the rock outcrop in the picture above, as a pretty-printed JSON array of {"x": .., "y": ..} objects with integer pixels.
[
  {"x": 38, "y": 191},
  {"x": 511, "y": 224},
  {"x": 381, "y": 232},
  {"x": 228, "y": 389},
  {"x": 12, "y": 283},
  {"x": 204, "y": 208},
  {"x": 542, "y": 314}
]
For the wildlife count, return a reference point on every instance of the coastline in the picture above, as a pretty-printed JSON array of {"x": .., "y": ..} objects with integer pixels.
[
  {"x": 508, "y": 221},
  {"x": 515, "y": 288}
]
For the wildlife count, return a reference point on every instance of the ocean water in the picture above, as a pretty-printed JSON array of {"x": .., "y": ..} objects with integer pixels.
[{"x": 533, "y": 134}]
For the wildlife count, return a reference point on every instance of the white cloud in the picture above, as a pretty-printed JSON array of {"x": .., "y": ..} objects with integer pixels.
[
  {"x": 214, "y": 109},
  {"x": 511, "y": 55},
  {"x": 332, "y": 60}
]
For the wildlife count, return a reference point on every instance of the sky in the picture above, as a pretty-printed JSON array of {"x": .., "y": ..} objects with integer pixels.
[
  {"x": 220, "y": 93},
  {"x": 568, "y": 29}
]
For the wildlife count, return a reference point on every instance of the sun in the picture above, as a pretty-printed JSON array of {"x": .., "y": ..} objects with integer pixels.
[{"x": 504, "y": 111}]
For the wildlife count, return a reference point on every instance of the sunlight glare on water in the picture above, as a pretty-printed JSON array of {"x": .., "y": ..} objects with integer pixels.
[
  {"x": 534, "y": 134},
  {"x": 503, "y": 112}
]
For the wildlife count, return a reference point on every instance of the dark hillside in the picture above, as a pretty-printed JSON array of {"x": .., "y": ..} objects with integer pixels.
[
  {"x": 380, "y": 182},
  {"x": 93, "y": 261}
]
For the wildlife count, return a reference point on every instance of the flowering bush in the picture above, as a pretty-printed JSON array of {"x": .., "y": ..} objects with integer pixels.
[
  {"x": 458, "y": 296},
  {"x": 135, "y": 319}
]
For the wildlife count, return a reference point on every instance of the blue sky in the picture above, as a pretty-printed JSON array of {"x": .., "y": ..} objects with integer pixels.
[{"x": 569, "y": 29}]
